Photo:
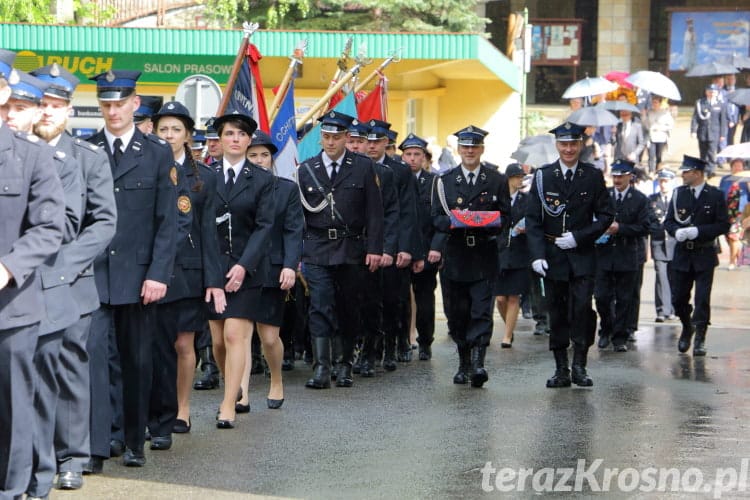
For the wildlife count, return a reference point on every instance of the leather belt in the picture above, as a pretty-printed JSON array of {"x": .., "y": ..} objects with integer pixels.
[
  {"x": 330, "y": 234},
  {"x": 692, "y": 245},
  {"x": 550, "y": 237},
  {"x": 472, "y": 239}
]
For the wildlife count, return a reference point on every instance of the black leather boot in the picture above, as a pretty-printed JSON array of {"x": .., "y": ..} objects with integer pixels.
[
  {"x": 335, "y": 356},
  {"x": 683, "y": 345},
  {"x": 699, "y": 348},
  {"x": 478, "y": 373},
  {"x": 389, "y": 357},
  {"x": 561, "y": 378},
  {"x": 345, "y": 366},
  {"x": 322, "y": 365},
  {"x": 209, "y": 378},
  {"x": 578, "y": 370},
  {"x": 464, "y": 365},
  {"x": 367, "y": 355}
]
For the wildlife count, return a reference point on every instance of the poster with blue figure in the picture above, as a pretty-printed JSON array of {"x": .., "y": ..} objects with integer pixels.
[{"x": 699, "y": 37}]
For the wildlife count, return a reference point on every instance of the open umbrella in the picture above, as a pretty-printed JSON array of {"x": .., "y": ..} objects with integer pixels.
[
  {"x": 620, "y": 78},
  {"x": 741, "y": 150},
  {"x": 621, "y": 106},
  {"x": 588, "y": 87},
  {"x": 656, "y": 83},
  {"x": 714, "y": 68},
  {"x": 536, "y": 150},
  {"x": 738, "y": 61},
  {"x": 593, "y": 116},
  {"x": 740, "y": 97}
]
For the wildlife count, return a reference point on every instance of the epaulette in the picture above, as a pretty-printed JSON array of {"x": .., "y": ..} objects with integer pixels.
[
  {"x": 156, "y": 139},
  {"x": 85, "y": 145}
]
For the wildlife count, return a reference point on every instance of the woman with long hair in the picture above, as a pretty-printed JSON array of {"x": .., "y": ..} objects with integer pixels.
[
  {"x": 196, "y": 280},
  {"x": 286, "y": 252},
  {"x": 244, "y": 217}
]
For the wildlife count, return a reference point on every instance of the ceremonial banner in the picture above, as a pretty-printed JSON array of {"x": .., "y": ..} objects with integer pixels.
[
  {"x": 309, "y": 146},
  {"x": 375, "y": 104},
  {"x": 284, "y": 136},
  {"x": 247, "y": 95}
]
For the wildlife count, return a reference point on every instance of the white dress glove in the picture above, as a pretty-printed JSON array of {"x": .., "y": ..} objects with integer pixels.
[
  {"x": 566, "y": 241},
  {"x": 691, "y": 232},
  {"x": 540, "y": 267},
  {"x": 681, "y": 234}
]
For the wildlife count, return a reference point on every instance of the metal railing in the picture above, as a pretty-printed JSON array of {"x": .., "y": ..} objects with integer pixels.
[{"x": 117, "y": 12}]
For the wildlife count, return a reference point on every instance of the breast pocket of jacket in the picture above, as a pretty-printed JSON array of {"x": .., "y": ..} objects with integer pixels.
[
  {"x": 351, "y": 193},
  {"x": 10, "y": 187},
  {"x": 139, "y": 194}
]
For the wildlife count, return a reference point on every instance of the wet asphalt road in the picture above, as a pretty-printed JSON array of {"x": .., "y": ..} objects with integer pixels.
[{"x": 413, "y": 434}]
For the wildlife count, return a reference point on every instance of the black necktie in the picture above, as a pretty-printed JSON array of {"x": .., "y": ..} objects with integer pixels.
[
  {"x": 117, "y": 153},
  {"x": 471, "y": 178},
  {"x": 230, "y": 179},
  {"x": 333, "y": 171},
  {"x": 619, "y": 199},
  {"x": 692, "y": 192},
  {"x": 569, "y": 176}
]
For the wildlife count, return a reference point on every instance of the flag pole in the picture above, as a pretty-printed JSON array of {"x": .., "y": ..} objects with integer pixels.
[
  {"x": 395, "y": 57},
  {"x": 295, "y": 59},
  {"x": 341, "y": 68},
  {"x": 247, "y": 31},
  {"x": 360, "y": 62}
]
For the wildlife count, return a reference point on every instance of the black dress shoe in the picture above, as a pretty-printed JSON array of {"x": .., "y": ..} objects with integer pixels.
[
  {"x": 631, "y": 337},
  {"x": 95, "y": 465},
  {"x": 240, "y": 408},
  {"x": 561, "y": 378},
  {"x": 274, "y": 404},
  {"x": 116, "y": 448},
  {"x": 659, "y": 319},
  {"x": 69, "y": 481},
  {"x": 580, "y": 377},
  {"x": 161, "y": 443},
  {"x": 287, "y": 365},
  {"x": 345, "y": 376},
  {"x": 404, "y": 356},
  {"x": 181, "y": 427},
  {"x": 133, "y": 459},
  {"x": 389, "y": 364},
  {"x": 225, "y": 424},
  {"x": 603, "y": 341},
  {"x": 207, "y": 381},
  {"x": 621, "y": 348},
  {"x": 367, "y": 369},
  {"x": 425, "y": 353}
]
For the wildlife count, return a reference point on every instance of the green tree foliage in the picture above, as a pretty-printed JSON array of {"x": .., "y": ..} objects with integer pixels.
[
  {"x": 348, "y": 15},
  {"x": 26, "y": 11}
]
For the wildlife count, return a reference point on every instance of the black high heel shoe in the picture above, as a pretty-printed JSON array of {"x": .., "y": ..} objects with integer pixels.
[
  {"x": 225, "y": 424},
  {"x": 240, "y": 408},
  {"x": 507, "y": 345},
  {"x": 274, "y": 404}
]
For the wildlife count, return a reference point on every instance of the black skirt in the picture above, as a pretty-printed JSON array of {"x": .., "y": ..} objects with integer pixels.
[
  {"x": 190, "y": 314},
  {"x": 512, "y": 282},
  {"x": 271, "y": 306},
  {"x": 245, "y": 304}
]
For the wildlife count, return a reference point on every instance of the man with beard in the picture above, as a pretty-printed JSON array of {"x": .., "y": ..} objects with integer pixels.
[{"x": 69, "y": 424}]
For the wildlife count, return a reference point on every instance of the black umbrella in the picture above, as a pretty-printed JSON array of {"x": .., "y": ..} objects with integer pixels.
[
  {"x": 712, "y": 69},
  {"x": 740, "y": 97}
]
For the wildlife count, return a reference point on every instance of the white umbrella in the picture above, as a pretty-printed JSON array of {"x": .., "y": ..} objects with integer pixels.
[
  {"x": 589, "y": 86},
  {"x": 656, "y": 83},
  {"x": 713, "y": 68},
  {"x": 741, "y": 150},
  {"x": 593, "y": 116}
]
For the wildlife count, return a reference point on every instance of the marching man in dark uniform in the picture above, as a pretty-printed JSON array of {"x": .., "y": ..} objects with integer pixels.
[
  {"x": 568, "y": 209},
  {"x": 71, "y": 426},
  {"x": 343, "y": 239},
  {"x": 468, "y": 206},
  {"x": 134, "y": 271},
  {"x": 697, "y": 216},
  {"x": 424, "y": 274},
  {"x": 709, "y": 126},
  {"x": 662, "y": 247},
  {"x": 33, "y": 211},
  {"x": 617, "y": 260}
]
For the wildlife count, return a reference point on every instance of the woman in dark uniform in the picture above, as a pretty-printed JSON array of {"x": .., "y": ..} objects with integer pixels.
[
  {"x": 196, "y": 280},
  {"x": 513, "y": 280},
  {"x": 286, "y": 251},
  {"x": 244, "y": 217}
]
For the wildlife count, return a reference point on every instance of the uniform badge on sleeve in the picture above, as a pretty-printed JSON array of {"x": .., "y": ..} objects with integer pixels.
[
  {"x": 183, "y": 204},
  {"x": 173, "y": 175}
]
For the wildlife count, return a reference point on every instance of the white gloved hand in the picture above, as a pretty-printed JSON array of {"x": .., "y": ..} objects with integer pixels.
[
  {"x": 540, "y": 267},
  {"x": 691, "y": 232},
  {"x": 681, "y": 234},
  {"x": 566, "y": 241}
]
